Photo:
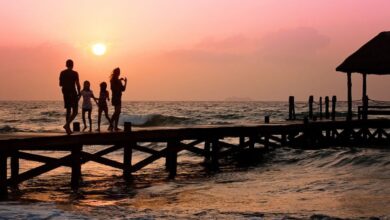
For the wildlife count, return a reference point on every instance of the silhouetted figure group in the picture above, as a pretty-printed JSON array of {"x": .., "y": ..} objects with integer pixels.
[{"x": 70, "y": 83}]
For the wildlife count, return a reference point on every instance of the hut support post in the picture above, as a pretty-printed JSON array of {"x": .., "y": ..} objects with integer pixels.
[
  {"x": 76, "y": 167},
  {"x": 364, "y": 97},
  {"x": 349, "y": 86},
  {"x": 3, "y": 176},
  {"x": 321, "y": 108},
  {"x": 291, "y": 108}
]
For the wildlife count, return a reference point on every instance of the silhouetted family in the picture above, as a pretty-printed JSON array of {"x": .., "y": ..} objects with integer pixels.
[{"x": 72, "y": 93}]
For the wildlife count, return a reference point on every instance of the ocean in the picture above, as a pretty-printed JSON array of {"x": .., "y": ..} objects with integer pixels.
[{"x": 330, "y": 183}]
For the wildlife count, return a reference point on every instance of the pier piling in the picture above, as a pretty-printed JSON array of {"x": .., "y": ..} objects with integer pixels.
[
  {"x": 3, "y": 175},
  {"x": 327, "y": 107},
  {"x": 334, "y": 100},
  {"x": 76, "y": 167},
  {"x": 311, "y": 100}
]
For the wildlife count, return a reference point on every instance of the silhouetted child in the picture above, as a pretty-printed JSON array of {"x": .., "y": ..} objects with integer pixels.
[
  {"x": 87, "y": 95},
  {"x": 102, "y": 103}
]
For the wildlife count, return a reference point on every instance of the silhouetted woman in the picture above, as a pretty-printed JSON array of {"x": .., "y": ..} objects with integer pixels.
[{"x": 117, "y": 88}]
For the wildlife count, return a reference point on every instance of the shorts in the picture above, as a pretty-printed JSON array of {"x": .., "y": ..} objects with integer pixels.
[
  {"x": 71, "y": 100},
  {"x": 116, "y": 101}
]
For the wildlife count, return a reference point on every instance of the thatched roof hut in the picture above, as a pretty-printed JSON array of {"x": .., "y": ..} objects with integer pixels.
[{"x": 372, "y": 58}]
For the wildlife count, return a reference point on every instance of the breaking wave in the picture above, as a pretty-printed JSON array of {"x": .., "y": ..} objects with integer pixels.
[{"x": 155, "y": 120}]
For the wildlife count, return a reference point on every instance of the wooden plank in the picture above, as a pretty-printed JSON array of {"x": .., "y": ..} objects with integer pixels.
[
  {"x": 99, "y": 159},
  {"x": 148, "y": 160},
  {"x": 144, "y": 149},
  {"x": 36, "y": 157},
  {"x": 40, "y": 170}
]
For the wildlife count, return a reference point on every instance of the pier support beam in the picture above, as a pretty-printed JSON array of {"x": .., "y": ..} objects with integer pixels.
[
  {"x": 3, "y": 175},
  {"x": 76, "y": 167},
  {"x": 207, "y": 149},
  {"x": 327, "y": 107},
  {"x": 215, "y": 154},
  {"x": 127, "y": 154},
  {"x": 15, "y": 167},
  {"x": 172, "y": 158}
]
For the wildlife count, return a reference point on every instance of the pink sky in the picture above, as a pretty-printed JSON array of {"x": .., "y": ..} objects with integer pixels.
[{"x": 190, "y": 50}]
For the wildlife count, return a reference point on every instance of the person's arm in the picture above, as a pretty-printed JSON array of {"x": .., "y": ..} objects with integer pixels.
[
  {"x": 124, "y": 86},
  {"x": 78, "y": 84},
  {"x": 61, "y": 80},
  {"x": 94, "y": 98},
  {"x": 108, "y": 96}
]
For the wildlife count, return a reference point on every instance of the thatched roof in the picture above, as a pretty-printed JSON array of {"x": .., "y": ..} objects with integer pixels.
[{"x": 371, "y": 58}]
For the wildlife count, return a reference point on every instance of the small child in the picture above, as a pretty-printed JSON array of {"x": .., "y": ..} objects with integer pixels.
[
  {"x": 87, "y": 95},
  {"x": 102, "y": 104}
]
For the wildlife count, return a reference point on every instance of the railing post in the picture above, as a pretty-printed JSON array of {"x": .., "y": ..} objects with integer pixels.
[
  {"x": 327, "y": 107},
  {"x": 76, "y": 167},
  {"x": 311, "y": 100},
  {"x": 127, "y": 154},
  {"x": 76, "y": 126},
  {"x": 3, "y": 175},
  {"x": 334, "y": 100},
  {"x": 291, "y": 108}
]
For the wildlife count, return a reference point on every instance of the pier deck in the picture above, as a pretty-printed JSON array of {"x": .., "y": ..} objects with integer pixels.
[{"x": 204, "y": 141}]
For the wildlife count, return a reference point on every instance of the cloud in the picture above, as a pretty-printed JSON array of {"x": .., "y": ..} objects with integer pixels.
[{"x": 297, "y": 44}]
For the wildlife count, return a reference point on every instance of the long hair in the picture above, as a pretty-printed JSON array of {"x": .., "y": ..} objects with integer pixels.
[{"x": 115, "y": 74}]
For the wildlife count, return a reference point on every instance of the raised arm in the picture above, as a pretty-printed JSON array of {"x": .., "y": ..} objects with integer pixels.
[{"x": 124, "y": 86}]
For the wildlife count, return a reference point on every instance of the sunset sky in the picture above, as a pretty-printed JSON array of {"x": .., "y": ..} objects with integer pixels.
[{"x": 190, "y": 50}]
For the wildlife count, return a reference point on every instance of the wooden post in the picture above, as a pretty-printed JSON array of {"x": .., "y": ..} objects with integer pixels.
[
  {"x": 127, "y": 154},
  {"x": 283, "y": 140},
  {"x": 241, "y": 141},
  {"x": 266, "y": 119},
  {"x": 76, "y": 126},
  {"x": 334, "y": 100},
  {"x": 215, "y": 154},
  {"x": 349, "y": 86},
  {"x": 252, "y": 142},
  {"x": 76, "y": 167},
  {"x": 172, "y": 158},
  {"x": 364, "y": 97},
  {"x": 207, "y": 149},
  {"x": 320, "y": 108},
  {"x": 291, "y": 108},
  {"x": 311, "y": 100},
  {"x": 15, "y": 167},
  {"x": 3, "y": 175},
  {"x": 327, "y": 107}
]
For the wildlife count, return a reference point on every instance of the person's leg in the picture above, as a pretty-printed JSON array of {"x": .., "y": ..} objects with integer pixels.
[
  {"x": 68, "y": 111},
  {"x": 90, "y": 119},
  {"x": 106, "y": 114},
  {"x": 83, "y": 117},
  {"x": 118, "y": 112},
  {"x": 99, "y": 118}
]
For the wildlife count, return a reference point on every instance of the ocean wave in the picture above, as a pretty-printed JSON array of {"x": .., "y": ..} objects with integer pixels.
[
  {"x": 335, "y": 158},
  {"x": 8, "y": 129},
  {"x": 51, "y": 113},
  {"x": 155, "y": 120}
]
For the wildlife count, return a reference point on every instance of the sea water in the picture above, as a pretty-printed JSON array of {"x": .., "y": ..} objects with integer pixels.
[{"x": 336, "y": 182}]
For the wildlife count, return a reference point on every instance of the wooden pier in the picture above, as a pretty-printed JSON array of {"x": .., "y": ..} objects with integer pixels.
[{"x": 208, "y": 142}]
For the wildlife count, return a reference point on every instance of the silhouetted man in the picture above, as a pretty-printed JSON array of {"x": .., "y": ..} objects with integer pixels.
[{"x": 69, "y": 80}]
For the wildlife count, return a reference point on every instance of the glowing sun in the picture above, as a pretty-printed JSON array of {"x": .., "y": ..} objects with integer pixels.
[{"x": 99, "y": 49}]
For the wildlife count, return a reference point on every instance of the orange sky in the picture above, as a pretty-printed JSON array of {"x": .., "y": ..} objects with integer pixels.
[{"x": 190, "y": 50}]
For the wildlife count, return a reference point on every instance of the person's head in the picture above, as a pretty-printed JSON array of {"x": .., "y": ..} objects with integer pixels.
[
  {"x": 103, "y": 86},
  {"x": 115, "y": 73},
  {"x": 86, "y": 85},
  {"x": 69, "y": 64}
]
